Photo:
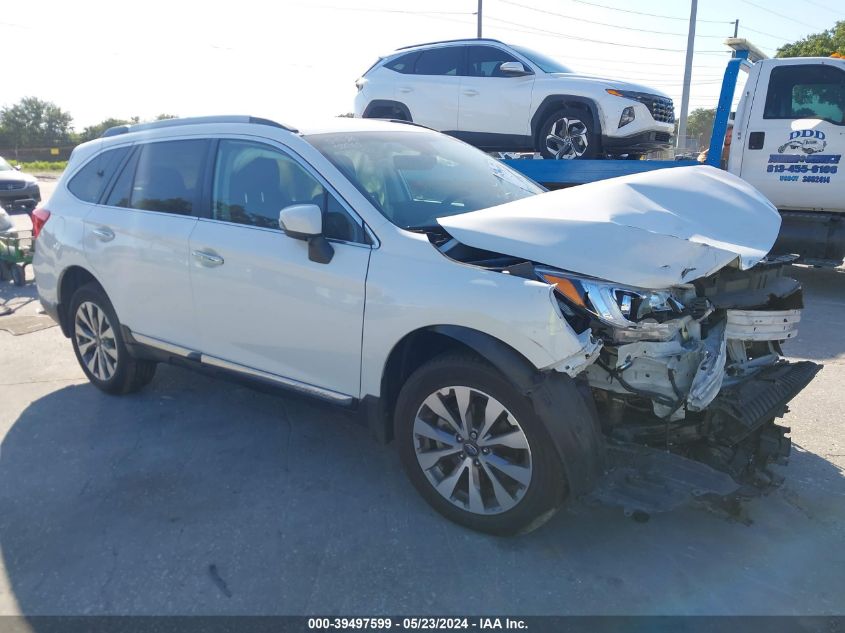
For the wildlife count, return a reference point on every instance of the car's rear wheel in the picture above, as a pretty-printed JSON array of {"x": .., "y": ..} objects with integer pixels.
[
  {"x": 99, "y": 346},
  {"x": 568, "y": 134},
  {"x": 474, "y": 448}
]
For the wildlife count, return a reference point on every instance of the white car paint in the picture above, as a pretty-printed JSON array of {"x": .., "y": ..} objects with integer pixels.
[
  {"x": 652, "y": 230},
  {"x": 642, "y": 230},
  {"x": 500, "y": 105}
]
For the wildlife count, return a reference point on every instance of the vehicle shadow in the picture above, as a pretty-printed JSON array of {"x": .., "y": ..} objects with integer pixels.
[{"x": 201, "y": 497}]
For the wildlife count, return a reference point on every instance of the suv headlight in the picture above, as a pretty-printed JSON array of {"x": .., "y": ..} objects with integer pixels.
[{"x": 614, "y": 304}]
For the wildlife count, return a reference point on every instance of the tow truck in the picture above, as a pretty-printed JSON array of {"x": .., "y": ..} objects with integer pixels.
[{"x": 788, "y": 141}]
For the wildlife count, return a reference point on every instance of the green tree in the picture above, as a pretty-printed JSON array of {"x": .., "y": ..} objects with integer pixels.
[
  {"x": 162, "y": 117},
  {"x": 700, "y": 125},
  {"x": 33, "y": 122},
  {"x": 96, "y": 131},
  {"x": 824, "y": 44}
]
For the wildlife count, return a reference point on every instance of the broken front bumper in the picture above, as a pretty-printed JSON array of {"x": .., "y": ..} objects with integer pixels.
[{"x": 743, "y": 442}]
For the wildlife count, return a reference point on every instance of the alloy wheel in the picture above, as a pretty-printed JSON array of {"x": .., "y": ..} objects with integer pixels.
[
  {"x": 95, "y": 340},
  {"x": 567, "y": 139},
  {"x": 472, "y": 450}
]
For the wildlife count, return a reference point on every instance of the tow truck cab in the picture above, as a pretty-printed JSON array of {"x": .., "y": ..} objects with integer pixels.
[{"x": 788, "y": 141}]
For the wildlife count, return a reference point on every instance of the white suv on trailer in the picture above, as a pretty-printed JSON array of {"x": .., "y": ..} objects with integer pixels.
[
  {"x": 515, "y": 342},
  {"x": 500, "y": 97}
]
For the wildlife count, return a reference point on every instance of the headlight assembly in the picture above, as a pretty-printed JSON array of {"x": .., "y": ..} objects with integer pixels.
[{"x": 615, "y": 304}]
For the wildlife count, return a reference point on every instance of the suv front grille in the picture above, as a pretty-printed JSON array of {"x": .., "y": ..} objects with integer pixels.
[
  {"x": 661, "y": 108},
  {"x": 11, "y": 185}
]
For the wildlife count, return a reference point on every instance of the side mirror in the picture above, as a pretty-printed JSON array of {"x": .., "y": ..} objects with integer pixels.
[
  {"x": 513, "y": 69},
  {"x": 17, "y": 167},
  {"x": 305, "y": 222}
]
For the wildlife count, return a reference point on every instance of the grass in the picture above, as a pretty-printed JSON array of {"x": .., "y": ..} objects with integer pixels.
[{"x": 43, "y": 165}]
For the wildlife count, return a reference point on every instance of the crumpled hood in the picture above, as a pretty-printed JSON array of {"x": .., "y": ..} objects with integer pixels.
[{"x": 652, "y": 230}]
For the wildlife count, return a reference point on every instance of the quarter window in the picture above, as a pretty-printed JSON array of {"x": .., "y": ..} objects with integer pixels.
[
  {"x": 90, "y": 181},
  {"x": 403, "y": 64},
  {"x": 811, "y": 91},
  {"x": 484, "y": 61},
  {"x": 254, "y": 182},
  {"x": 440, "y": 61}
]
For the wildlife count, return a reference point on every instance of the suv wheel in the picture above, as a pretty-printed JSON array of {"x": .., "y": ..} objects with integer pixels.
[
  {"x": 99, "y": 347},
  {"x": 568, "y": 134},
  {"x": 474, "y": 448}
]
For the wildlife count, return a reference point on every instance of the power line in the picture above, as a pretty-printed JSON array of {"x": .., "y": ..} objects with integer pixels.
[
  {"x": 651, "y": 15},
  {"x": 405, "y": 11},
  {"x": 586, "y": 39},
  {"x": 777, "y": 37},
  {"x": 782, "y": 15},
  {"x": 819, "y": 4},
  {"x": 614, "y": 26}
]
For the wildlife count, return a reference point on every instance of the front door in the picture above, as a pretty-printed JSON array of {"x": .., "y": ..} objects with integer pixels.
[
  {"x": 494, "y": 107},
  {"x": 261, "y": 303},
  {"x": 795, "y": 136}
]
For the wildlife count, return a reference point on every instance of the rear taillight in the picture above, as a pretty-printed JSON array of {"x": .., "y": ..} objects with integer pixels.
[{"x": 39, "y": 219}]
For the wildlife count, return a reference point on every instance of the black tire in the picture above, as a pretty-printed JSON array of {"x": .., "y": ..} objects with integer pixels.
[
  {"x": 591, "y": 136},
  {"x": 129, "y": 374},
  {"x": 547, "y": 488},
  {"x": 5, "y": 273},
  {"x": 18, "y": 275}
]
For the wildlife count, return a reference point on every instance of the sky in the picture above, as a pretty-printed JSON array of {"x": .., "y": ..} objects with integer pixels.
[{"x": 297, "y": 60}]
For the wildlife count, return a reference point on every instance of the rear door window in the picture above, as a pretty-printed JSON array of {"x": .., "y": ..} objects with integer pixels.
[
  {"x": 448, "y": 60},
  {"x": 811, "y": 91},
  {"x": 164, "y": 177},
  {"x": 90, "y": 182}
]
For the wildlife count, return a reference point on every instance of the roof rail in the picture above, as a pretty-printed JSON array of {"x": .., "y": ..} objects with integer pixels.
[
  {"x": 199, "y": 120},
  {"x": 466, "y": 39}
]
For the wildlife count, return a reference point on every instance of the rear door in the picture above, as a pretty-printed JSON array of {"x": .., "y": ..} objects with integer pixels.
[
  {"x": 431, "y": 90},
  {"x": 492, "y": 102},
  {"x": 137, "y": 240},
  {"x": 792, "y": 151}
]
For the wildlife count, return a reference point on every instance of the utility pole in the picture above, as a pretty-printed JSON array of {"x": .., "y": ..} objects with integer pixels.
[
  {"x": 736, "y": 27},
  {"x": 682, "y": 124},
  {"x": 479, "y": 19}
]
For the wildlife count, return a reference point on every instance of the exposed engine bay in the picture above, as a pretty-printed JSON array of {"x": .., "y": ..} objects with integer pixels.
[{"x": 694, "y": 370}]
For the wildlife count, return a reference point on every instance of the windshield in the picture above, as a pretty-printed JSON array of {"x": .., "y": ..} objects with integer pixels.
[
  {"x": 546, "y": 63},
  {"x": 4, "y": 166},
  {"x": 414, "y": 178}
]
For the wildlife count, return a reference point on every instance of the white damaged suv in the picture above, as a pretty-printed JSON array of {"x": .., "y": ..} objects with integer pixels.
[
  {"x": 501, "y": 97},
  {"x": 619, "y": 340}
]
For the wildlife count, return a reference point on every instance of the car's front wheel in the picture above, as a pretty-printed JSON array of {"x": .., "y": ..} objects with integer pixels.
[
  {"x": 474, "y": 448},
  {"x": 99, "y": 346},
  {"x": 568, "y": 134}
]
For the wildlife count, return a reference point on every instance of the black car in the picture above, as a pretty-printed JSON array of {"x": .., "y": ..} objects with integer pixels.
[{"x": 18, "y": 192}]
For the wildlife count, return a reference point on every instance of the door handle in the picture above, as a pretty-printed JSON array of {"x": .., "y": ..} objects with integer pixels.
[
  {"x": 406, "y": 89},
  {"x": 470, "y": 92},
  {"x": 103, "y": 234},
  {"x": 207, "y": 259}
]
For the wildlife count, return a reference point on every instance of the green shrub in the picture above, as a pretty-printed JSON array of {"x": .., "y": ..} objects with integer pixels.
[{"x": 42, "y": 165}]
